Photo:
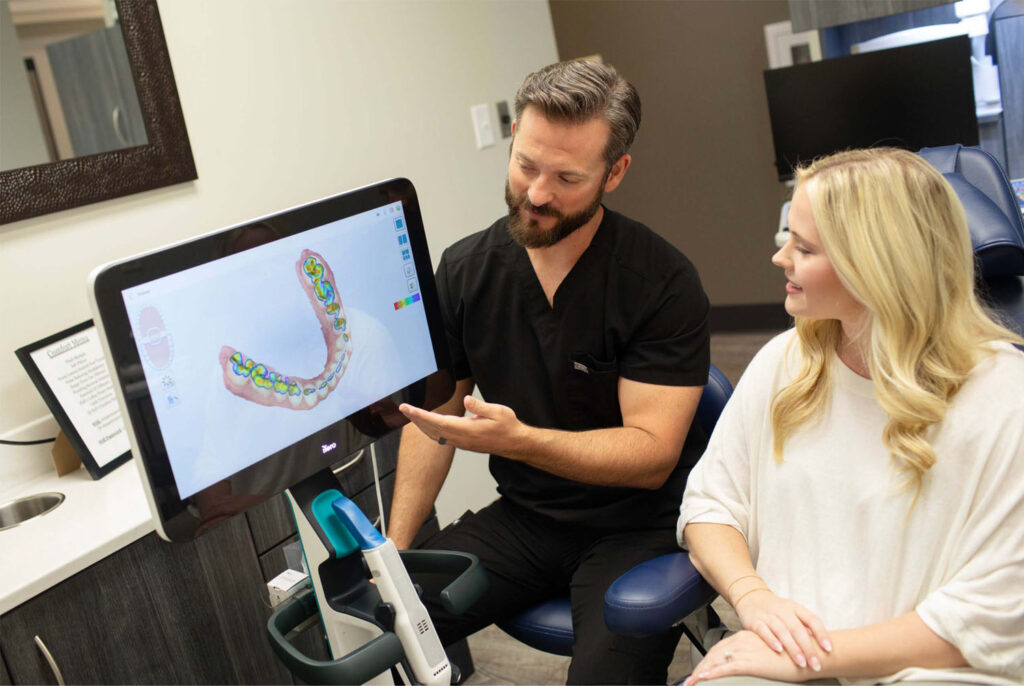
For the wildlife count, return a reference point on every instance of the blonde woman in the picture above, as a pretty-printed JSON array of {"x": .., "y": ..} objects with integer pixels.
[{"x": 859, "y": 504}]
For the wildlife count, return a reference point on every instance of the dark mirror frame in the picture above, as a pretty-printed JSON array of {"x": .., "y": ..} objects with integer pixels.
[{"x": 165, "y": 160}]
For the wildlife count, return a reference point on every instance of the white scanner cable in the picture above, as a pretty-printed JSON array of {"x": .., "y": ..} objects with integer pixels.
[{"x": 376, "y": 483}]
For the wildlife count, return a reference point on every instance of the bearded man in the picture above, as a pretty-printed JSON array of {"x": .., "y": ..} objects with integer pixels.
[{"x": 587, "y": 336}]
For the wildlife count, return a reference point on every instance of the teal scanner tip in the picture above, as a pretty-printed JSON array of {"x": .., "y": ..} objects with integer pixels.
[
  {"x": 337, "y": 533},
  {"x": 357, "y": 524}
]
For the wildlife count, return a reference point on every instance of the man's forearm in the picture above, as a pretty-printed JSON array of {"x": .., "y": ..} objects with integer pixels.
[
  {"x": 422, "y": 468},
  {"x": 620, "y": 456},
  {"x": 640, "y": 454}
]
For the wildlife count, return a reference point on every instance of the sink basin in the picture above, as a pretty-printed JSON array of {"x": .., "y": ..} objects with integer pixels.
[{"x": 14, "y": 512}]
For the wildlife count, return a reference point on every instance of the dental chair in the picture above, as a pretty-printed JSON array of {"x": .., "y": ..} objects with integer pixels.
[
  {"x": 994, "y": 219},
  {"x": 648, "y": 599}
]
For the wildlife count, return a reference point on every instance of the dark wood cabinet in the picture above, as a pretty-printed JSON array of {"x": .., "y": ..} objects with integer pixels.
[
  {"x": 5, "y": 678},
  {"x": 93, "y": 78},
  {"x": 815, "y": 14},
  {"x": 152, "y": 612}
]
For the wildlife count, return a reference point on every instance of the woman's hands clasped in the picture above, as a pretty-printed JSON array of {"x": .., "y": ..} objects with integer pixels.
[
  {"x": 784, "y": 625},
  {"x": 781, "y": 640},
  {"x": 745, "y": 653}
]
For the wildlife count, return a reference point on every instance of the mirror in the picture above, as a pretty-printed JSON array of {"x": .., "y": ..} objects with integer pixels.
[
  {"x": 66, "y": 82},
  {"x": 90, "y": 110}
]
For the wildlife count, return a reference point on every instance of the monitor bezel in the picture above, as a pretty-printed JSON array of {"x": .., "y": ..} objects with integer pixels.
[
  {"x": 174, "y": 516},
  {"x": 793, "y": 102}
]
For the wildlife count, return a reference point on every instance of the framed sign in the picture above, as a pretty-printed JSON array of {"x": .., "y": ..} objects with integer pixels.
[{"x": 71, "y": 375}]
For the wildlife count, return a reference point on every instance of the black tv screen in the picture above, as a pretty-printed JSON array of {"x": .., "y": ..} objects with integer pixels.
[{"x": 909, "y": 97}]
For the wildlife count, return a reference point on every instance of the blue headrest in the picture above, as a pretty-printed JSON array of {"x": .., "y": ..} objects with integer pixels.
[{"x": 993, "y": 215}]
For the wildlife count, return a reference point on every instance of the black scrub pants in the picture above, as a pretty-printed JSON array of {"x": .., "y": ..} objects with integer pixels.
[{"x": 531, "y": 558}]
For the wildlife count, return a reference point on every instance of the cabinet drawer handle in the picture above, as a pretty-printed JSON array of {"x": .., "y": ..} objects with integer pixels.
[
  {"x": 350, "y": 463},
  {"x": 49, "y": 659}
]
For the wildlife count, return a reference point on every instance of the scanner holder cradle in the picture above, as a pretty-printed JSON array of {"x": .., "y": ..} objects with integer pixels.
[{"x": 376, "y": 631}]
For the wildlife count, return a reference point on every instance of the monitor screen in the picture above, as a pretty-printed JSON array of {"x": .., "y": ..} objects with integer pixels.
[
  {"x": 910, "y": 97},
  {"x": 253, "y": 357}
]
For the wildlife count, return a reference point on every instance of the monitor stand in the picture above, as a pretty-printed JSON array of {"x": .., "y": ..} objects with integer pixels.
[{"x": 378, "y": 632}]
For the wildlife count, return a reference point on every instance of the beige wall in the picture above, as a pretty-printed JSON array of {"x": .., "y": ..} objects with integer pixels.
[
  {"x": 703, "y": 173},
  {"x": 286, "y": 102}
]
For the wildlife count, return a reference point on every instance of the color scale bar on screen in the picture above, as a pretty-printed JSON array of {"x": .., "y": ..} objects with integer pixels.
[{"x": 414, "y": 298}]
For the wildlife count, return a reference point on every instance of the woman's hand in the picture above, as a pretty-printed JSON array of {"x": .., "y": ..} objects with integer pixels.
[
  {"x": 782, "y": 624},
  {"x": 745, "y": 653}
]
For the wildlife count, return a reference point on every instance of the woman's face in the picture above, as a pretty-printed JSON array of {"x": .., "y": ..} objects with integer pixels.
[{"x": 813, "y": 288}]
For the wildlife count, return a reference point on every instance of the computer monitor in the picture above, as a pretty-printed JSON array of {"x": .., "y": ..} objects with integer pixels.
[
  {"x": 248, "y": 359},
  {"x": 909, "y": 97}
]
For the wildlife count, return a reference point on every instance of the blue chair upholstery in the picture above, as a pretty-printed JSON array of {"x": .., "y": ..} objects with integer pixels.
[
  {"x": 994, "y": 219},
  {"x": 647, "y": 599},
  {"x": 546, "y": 626}
]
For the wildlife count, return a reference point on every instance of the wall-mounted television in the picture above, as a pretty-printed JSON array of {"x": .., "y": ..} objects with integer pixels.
[{"x": 909, "y": 97}]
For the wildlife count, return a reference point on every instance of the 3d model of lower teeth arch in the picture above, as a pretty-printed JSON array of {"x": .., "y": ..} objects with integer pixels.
[{"x": 262, "y": 384}]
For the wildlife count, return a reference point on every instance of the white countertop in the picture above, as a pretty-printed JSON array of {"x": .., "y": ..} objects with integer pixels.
[{"x": 97, "y": 518}]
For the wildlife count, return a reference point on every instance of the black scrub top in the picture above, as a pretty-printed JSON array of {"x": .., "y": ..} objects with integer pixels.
[{"x": 632, "y": 306}]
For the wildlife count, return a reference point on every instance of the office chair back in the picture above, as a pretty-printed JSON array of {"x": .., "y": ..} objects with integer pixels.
[{"x": 995, "y": 223}]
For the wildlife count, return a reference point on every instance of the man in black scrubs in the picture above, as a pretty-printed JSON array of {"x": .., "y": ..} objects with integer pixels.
[{"x": 587, "y": 336}]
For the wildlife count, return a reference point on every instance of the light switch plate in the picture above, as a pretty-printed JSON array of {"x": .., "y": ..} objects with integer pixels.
[{"x": 482, "y": 126}]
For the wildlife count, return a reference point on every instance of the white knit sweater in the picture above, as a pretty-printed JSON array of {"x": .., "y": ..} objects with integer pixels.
[{"x": 828, "y": 528}]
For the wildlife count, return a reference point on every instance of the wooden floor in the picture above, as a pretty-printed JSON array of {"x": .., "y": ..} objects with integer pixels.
[{"x": 500, "y": 659}]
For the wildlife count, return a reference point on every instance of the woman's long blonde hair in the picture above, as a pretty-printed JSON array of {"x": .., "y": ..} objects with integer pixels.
[{"x": 897, "y": 238}]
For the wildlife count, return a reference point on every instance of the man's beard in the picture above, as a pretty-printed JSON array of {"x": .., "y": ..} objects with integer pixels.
[{"x": 528, "y": 234}]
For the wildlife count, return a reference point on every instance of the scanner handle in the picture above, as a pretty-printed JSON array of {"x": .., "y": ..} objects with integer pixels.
[
  {"x": 359, "y": 527},
  {"x": 358, "y": 667}
]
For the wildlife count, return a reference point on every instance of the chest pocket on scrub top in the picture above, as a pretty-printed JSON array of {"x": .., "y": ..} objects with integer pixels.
[{"x": 592, "y": 392}]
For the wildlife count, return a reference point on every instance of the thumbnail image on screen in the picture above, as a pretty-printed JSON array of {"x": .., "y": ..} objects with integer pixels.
[{"x": 252, "y": 352}]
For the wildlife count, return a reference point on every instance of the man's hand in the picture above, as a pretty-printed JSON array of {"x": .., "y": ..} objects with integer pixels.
[
  {"x": 745, "y": 653},
  {"x": 490, "y": 428}
]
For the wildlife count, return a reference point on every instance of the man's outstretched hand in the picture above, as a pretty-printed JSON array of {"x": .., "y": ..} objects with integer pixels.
[{"x": 488, "y": 428}]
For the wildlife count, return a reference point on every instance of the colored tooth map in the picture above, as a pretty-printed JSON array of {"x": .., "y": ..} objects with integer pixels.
[{"x": 259, "y": 383}]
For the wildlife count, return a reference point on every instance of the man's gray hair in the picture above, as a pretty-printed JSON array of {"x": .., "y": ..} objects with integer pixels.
[{"x": 579, "y": 90}]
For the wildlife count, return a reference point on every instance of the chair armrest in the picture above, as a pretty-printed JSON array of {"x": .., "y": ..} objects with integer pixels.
[{"x": 655, "y": 595}]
